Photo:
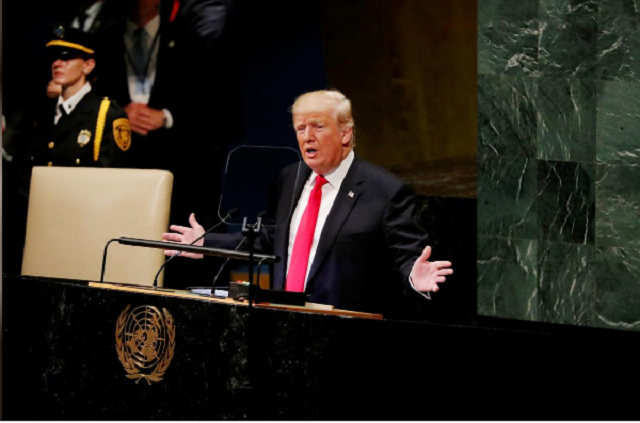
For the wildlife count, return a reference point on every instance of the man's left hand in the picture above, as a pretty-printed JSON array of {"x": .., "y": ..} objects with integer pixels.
[{"x": 426, "y": 275}]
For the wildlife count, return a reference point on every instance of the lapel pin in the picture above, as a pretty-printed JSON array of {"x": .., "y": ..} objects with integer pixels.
[{"x": 351, "y": 194}]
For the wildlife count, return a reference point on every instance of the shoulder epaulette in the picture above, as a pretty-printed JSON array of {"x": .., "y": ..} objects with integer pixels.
[{"x": 102, "y": 118}]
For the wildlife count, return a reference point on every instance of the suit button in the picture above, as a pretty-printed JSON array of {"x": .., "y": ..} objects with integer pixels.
[
  {"x": 31, "y": 158},
  {"x": 51, "y": 144},
  {"x": 50, "y": 164},
  {"x": 77, "y": 161}
]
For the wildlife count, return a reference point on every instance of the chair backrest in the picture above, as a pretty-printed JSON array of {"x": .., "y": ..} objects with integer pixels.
[{"x": 74, "y": 212}]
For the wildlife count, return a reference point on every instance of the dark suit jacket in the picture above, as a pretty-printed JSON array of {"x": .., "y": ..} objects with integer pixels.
[{"x": 367, "y": 247}]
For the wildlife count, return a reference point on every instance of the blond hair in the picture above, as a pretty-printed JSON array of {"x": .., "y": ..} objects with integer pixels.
[{"x": 334, "y": 99}]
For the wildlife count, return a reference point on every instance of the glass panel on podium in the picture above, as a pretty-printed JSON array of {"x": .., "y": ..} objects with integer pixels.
[{"x": 250, "y": 184}]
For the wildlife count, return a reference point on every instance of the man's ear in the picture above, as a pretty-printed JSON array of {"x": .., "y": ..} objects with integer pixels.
[
  {"x": 89, "y": 64},
  {"x": 347, "y": 136}
]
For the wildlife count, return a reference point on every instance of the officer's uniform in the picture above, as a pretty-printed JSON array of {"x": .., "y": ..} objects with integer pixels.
[
  {"x": 96, "y": 133},
  {"x": 84, "y": 137}
]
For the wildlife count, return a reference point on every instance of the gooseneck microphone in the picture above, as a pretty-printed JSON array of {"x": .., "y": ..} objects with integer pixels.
[
  {"x": 261, "y": 216},
  {"x": 230, "y": 214},
  {"x": 215, "y": 279}
]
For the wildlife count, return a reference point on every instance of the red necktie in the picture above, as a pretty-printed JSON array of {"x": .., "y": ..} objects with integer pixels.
[{"x": 304, "y": 239}]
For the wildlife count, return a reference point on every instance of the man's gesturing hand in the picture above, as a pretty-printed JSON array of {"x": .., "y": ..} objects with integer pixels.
[
  {"x": 426, "y": 275},
  {"x": 185, "y": 235}
]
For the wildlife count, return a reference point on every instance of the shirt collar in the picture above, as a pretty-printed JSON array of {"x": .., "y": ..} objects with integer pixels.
[
  {"x": 94, "y": 9},
  {"x": 73, "y": 101},
  {"x": 151, "y": 27},
  {"x": 336, "y": 175}
]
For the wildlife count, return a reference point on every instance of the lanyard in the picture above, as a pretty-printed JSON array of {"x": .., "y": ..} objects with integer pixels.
[{"x": 142, "y": 76}]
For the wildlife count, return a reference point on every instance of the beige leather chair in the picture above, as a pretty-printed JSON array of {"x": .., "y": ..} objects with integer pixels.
[{"x": 73, "y": 212}]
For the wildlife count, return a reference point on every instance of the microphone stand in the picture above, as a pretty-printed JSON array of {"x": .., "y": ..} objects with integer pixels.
[
  {"x": 215, "y": 279},
  {"x": 251, "y": 232}
]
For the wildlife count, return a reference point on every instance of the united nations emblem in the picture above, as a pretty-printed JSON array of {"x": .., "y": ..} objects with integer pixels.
[
  {"x": 84, "y": 137},
  {"x": 145, "y": 342},
  {"x": 122, "y": 133}
]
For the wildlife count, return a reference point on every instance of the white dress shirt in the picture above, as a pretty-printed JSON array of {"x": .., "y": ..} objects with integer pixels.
[
  {"x": 92, "y": 14},
  {"x": 329, "y": 193},
  {"x": 140, "y": 91},
  {"x": 71, "y": 102}
]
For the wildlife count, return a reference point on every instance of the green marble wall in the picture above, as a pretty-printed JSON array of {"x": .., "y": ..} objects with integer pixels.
[{"x": 559, "y": 161}]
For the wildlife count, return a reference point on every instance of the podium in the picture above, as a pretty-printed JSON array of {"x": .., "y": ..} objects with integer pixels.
[{"x": 77, "y": 350}]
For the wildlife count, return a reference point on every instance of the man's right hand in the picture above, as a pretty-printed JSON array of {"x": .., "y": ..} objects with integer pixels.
[{"x": 185, "y": 235}]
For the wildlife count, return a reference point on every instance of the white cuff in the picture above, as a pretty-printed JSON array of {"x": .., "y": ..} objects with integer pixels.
[
  {"x": 168, "y": 118},
  {"x": 427, "y": 295}
]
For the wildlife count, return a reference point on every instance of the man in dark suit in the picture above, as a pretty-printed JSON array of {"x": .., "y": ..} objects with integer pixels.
[
  {"x": 160, "y": 70},
  {"x": 137, "y": 70},
  {"x": 353, "y": 240}
]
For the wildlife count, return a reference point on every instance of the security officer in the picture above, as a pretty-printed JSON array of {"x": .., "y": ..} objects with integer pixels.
[{"x": 83, "y": 129}]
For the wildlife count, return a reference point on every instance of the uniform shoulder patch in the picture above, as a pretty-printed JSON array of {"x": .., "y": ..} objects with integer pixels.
[{"x": 122, "y": 133}]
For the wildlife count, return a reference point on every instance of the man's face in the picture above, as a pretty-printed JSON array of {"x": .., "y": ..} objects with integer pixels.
[
  {"x": 322, "y": 144},
  {"x": 68, "y": 72}
]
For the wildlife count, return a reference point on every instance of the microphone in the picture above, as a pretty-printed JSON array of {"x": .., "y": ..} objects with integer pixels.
[
  {"x": 215, "y": 279},
  {"x": 230, "y": 214},
  {"x": 262, "y": 215}
]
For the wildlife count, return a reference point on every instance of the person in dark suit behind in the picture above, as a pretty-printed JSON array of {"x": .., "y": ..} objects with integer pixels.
[
  {"x": 353, "y": 240},
  {"x": 137, "y": 56},
  {"x": 79, "y": 128}
]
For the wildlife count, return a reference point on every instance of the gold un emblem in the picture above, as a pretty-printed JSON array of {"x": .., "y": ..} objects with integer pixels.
[{"x": 145, "y": 341}]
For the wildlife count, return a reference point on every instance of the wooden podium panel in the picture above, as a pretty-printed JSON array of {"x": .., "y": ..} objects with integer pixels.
[
  {"x": 63, "y": 358},
  {"x": 309, "y": 308}
]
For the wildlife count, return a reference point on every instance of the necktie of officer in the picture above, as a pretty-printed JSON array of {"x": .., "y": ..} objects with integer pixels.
[
  {"x": 304, "y": 239},
  {"x": 63, "y": 113},
  {"x": 140, "y": 52}
]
